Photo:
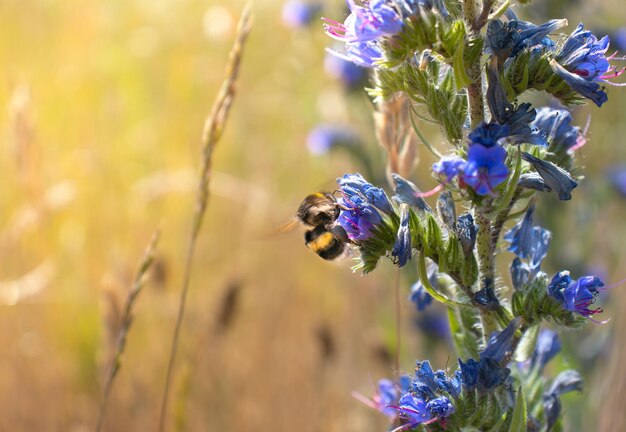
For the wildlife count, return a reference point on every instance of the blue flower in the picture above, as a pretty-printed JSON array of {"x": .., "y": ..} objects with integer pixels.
[
  {"x": 406, "y": 192},
  {"x": 452, "y": 386},
  {"x": 521, "y": 235},
  {"x": 521, "y": 130},
  {"x": 440, "y": 407},
  {"x": 485, "y": 168},
  {"x": 509, "y": 39},
  {"x": 539, "y": 248},
  {"x": 414, "y": 410},
  {"x": 555, "y": 177},
  {"x": 365, "y": 23},
  {"x": 434, "y": 324},
  {"x": 582, "y": 63},
  {"x": 567, "y": 381},
  {"x": 470, "y": 371},
  {"x": 617, "y": 178},
  {"x": 528, "y": 241},
  {"x": 449, "y": 167},
  {"x": 324, "y": 138},
  {"x": 424, "y": 383},
  {"x": 402, "y": 248},
  {"x": 561, "y": 134},
  {"x": 298, "y": 14},
  {"x": 355, "y": 185},
  {"x": 533, "y": 180},
  {"x": 386, "y": 396},
  {"x": 419, "y": 296},
  {"x": 466, "y": 231},
  {"x": 488, "y": 134},
  {"x": 520, "y": 274},
  {"x": 576, "y": 295},
  {"x": 346, "y": 71},
  {"x": 548, "y": 346},
  {"x": 500, "y": 344}
]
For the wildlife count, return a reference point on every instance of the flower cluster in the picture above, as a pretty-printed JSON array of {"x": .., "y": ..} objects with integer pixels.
[{"x": 503, "y": 156}]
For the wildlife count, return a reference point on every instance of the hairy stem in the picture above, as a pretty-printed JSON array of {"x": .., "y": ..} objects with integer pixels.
[
  {"x": 475, "y": 89},
  {"x": 501, "y": 218}
]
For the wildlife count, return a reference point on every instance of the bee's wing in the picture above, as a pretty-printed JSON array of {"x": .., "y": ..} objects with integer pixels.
[
  {"x": 285, "y": 228},
  {"x": 288, "y": 226}
]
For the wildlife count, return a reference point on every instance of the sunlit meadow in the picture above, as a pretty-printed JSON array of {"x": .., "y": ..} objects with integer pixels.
[{"x": 104, "y": 106}]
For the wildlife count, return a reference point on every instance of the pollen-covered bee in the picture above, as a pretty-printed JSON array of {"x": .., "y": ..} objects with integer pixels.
[{"x": 320, "y": 210}]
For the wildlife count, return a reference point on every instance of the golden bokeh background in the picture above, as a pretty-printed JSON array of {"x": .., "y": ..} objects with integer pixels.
[{"x": 104, "y": 103}]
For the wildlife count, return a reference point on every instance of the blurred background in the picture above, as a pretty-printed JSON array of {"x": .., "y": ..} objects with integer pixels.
[{"x": 103, "y": 107}]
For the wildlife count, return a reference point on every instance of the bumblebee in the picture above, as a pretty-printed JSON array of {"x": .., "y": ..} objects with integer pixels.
[{"x": 320, "y": 210}]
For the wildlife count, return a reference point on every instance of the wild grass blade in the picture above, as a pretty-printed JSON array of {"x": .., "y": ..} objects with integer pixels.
[
  {"x": 212, "y": 132},
  {"x": 125, "y": 323}
]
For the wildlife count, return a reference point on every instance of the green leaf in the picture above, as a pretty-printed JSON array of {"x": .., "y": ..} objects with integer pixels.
[
  {"x": 460, "y": 75},
  {"x": 527, "y": 344},
  {"x": 423, "y": 276},
  {"x": 518, "y": 421},
  {"x": 510, "y": 187}
]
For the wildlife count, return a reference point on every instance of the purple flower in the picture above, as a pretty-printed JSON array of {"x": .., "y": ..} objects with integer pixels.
[
  {"x": 346, "y": 71},
  {"x": 298, "y": 14},
  {"x": 414, "y": 411},
  {"x": 617, "y": 178},
  {"x": 576, "y": 295},
  {"x": 324, "y": 138},
  {"x": 365, "y": 23},
  {"x": 387, "y": 395},
  {"x": 359, "y": 219},
  {"x": 561, "y": 134},
  {"x": 583, "y": 64},
  {"x": 360, "y": 204},
  {"x": 449, "y": 167},
  {"x": 485, "y": 168},
  {"x": 364, "y": 54},
  {"x": 355, "y": 185},
  {"x": 386, "y": 398}
]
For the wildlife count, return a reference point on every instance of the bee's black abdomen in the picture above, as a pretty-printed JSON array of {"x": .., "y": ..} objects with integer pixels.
[
  {"x": 334, "y": 250},
  {"x": 323, "y": 242}
]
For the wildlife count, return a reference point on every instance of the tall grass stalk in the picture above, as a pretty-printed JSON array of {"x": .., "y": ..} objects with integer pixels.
[
  {"x": 213, "y": 128},
  {"x": 126, "y": 321}
]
